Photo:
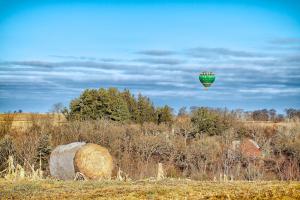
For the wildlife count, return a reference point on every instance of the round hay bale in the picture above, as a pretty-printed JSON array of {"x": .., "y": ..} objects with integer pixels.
[
  {"x": 61, "y": 160},
  {"x": 94, "y": 161},
  {"x": 249, "y": 148}
]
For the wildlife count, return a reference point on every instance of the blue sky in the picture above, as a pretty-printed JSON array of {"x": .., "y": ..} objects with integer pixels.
[{"x": 50, "y": 51}]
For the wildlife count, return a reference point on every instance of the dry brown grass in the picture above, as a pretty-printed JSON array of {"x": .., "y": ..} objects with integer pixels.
[
  {"x": 31, "y": 116},
  {"x": 25, "y": 120},
  {"x": 136, "y": 149},
  {"x": 167, "y": 189}
]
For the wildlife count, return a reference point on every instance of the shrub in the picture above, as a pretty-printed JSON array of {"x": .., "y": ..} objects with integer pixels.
[{"x": 211, "y": 122}]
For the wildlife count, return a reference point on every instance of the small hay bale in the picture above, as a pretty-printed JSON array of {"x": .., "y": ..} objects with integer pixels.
[
  {"x": 250, "y": 149},
  {"x": 61, "y": 161},
  {"x": 94, "y": 161}
]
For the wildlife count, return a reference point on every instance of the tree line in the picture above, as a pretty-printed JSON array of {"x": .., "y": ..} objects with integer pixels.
[
  {"x": 116, "y": 105},
  {"x": 123, "y": 106}
]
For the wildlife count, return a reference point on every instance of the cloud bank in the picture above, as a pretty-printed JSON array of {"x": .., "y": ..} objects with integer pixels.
[{"x": 240, "y": 75}]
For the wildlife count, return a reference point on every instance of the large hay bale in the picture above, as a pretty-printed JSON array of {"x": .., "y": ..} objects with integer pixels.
[
  {"x": 61, "y": 160},
  {"x": 91, "y": 160},
  {"x": 94, "y": 161}
]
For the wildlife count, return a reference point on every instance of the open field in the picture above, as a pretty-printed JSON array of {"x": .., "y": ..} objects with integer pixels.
[
  {"x": 24, "y": 120},
  {"x": 167, "y": 189}
]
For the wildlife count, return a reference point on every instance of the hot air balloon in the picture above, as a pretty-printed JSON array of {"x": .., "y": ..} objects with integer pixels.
[{"x": 207, "y": 78}]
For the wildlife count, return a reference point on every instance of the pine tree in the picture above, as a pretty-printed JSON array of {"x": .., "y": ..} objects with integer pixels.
[
  {"x": 111, "y": 104},
  {"x": 146, "y": 110},
  {"x": 164, "y": 115},
  {"x": 43, "y": 151},
  {"x": 117, "y": 107},
  {"x": 131, "y": 104}
]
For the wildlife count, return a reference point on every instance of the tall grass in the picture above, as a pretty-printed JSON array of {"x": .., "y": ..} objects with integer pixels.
[{"x": 137, "y": 149}]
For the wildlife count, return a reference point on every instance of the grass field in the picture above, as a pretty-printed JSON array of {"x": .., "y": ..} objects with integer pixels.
[
  {"x": 167, "y": 189},
  {"x": 24, "y": 120}
]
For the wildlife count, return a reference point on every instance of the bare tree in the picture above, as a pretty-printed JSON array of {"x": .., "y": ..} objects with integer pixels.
[{"x": 57, "y": 108}]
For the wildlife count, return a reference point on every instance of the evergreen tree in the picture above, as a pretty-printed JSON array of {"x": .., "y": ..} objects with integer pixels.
[
  {"x": 85, "y": 107},
  {"x": 146, "y": 110},
  {"x": 164, "y": 114},
  {"x": 131, "y": 104},
  {"x": 115, "y": 105},
  {"x": 98, "y": 104},
  {"x": 207, "y": 121},
  {"x": 43, "y": 151},
  {"x": 117, "y": 109}
]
